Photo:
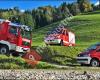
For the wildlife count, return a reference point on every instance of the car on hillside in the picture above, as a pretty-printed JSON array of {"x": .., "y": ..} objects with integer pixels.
[{"x": 90, "y": 56}]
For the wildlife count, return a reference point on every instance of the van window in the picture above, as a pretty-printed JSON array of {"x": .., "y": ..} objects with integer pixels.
[{"x": 13, "y": 30}]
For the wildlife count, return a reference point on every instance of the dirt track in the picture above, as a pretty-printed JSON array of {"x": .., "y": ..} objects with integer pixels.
[{"x": 40, "y": 74}]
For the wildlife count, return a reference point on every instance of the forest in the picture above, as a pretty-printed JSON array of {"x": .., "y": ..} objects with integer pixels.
[{"x": 46, "y": 15}]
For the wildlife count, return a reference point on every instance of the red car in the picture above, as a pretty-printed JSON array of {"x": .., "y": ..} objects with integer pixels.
[{"x": 90, "y": 56}]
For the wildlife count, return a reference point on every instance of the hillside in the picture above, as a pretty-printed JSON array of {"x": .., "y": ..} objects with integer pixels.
[{"x": 86, "y": 28}]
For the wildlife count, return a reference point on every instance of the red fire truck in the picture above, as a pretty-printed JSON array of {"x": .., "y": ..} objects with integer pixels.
[
  {"x": 60, "y": 35},
  {"x": 14, "y": 37}
]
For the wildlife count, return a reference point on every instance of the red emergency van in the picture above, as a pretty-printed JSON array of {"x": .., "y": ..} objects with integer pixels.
[
  {"x": 60, "y": 35},
  {"x": 90, "y": 56}
]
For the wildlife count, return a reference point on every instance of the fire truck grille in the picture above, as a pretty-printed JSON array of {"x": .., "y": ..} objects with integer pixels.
[{"x": 25, "y": 43}]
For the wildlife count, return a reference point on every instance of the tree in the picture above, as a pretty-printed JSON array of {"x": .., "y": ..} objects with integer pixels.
[
  {"x": 48, "y": 14},
  {"x": 84, "y": 5},
  {"x": 64, "y": 10},
  {"x": 39, "y": 18},
  {"x": 14, "y": 19},
  {"x": 1, "y": 15},
  {"x": 29, "y": 20},
  {"x": 5, "y": 15},
  {"x": 21, "y": 19},
  {"x": 75, "y": 9},
  {"x": 69, "y": 6}
]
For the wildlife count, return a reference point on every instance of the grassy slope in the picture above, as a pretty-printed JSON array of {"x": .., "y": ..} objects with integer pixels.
[
  {"x": 87, "y": 30},
  {"x": 13, "y": 63},
  {"x": 87, "y": 26}
]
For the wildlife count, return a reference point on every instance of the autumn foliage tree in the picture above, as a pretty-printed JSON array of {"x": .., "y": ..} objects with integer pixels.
[{"x": 84, "y": 5}]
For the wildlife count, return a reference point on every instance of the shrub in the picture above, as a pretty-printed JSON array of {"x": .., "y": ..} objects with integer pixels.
[{"x": 46, "y": 52}]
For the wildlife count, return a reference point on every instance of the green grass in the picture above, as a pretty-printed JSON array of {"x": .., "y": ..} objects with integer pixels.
[
  {"x": 13, "y": 63},
  {"x": 86, "y": 29},
  {"x": 39, "y": 34}
]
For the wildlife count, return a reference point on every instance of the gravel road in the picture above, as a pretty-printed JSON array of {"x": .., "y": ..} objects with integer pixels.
[{"x": 39, "y": 74}]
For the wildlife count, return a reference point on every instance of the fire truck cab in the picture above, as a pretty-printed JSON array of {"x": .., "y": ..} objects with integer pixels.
[{"x": 14, "y": 37}]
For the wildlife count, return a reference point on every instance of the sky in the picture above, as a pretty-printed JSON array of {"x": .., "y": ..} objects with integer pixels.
[{"x": 31, "y": 4}]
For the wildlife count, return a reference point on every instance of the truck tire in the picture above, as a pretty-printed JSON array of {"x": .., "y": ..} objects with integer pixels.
[
  {"x": 61, "y": 43},
  {"x": 94, "y": 63},
  {"x": 4, "y": 50}
]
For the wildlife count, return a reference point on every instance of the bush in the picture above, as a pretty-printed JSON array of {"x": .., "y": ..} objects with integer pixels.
[
  {"x": 66, "y": 55},
  {"x": 46, "y": 52}
]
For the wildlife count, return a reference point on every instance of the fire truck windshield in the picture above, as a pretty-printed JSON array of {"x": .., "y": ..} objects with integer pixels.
[
  {"x": 26, "y": 34},
  {"x": 13, "y": 30}
]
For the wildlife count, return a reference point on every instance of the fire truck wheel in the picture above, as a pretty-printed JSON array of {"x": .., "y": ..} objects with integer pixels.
[
  {"x": 4, "y": 50},
  {"x": 61, "y": 43},
  {"x": 94, "y": 63}
]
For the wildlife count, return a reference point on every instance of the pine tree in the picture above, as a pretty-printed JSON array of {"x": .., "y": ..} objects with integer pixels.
[
  {"x": 29, "y": 20},
  {"x": 64, "y": 10},
  {"x": 75, "y": 9}
]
